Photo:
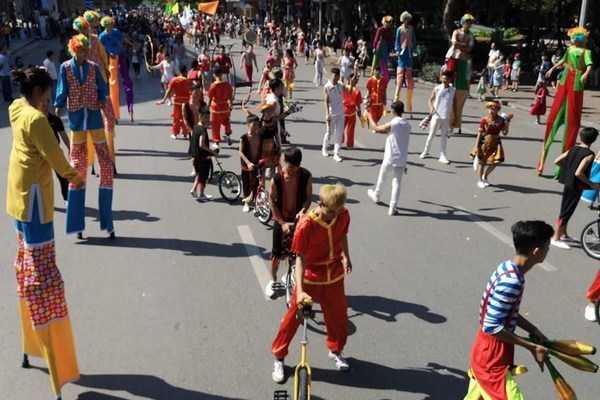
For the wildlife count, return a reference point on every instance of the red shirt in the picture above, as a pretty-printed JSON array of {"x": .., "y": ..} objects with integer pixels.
[
  {"x": 224, "y": 63},
  {"x": 351, "y": 100},
  {"x": 220, "y": 93},
  {"x": 376, "y": 90},
  {"x": 180, "y": 87},
  {"x": 321, "y": 246}
]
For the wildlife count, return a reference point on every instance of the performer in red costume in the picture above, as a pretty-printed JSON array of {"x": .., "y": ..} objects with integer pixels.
[
  {"x": 179, "y": 88},
  {"x": 352, "y": 99},
  {"x": 220, "y": 96},
  {"x": 383, "y": 43},
  {"x": 376, "y": 87}
]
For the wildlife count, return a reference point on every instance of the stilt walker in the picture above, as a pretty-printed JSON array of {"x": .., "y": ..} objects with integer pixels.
[
  {"x": 82, "y": 89},
  {"x": 404, "y": 47},
  {"x": 458, "y": 63},
  {"x": 382, "y": 44},
  {"x": 45, "y": 322},
  {"x": 111, "y": 38},
  {"x": 568, "y": 100}
]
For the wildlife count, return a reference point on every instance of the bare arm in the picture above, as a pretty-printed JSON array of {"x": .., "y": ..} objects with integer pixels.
[
  {"x": 277, "y": 217},
  {"x": 560, "y": 160},
  {"x": 309, "y": 191},
  {"x": 580, "y": 173},
  {"x": 539, "y": 352},
  {"x": 346, "y": 255},
  {"x": 65, "y": 138},
  {"x": 379, "y": 128},
  {"x": 431, "y": 99}
]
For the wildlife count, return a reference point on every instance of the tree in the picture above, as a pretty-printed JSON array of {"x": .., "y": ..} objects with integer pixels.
[{"x": 452, "y": 12}]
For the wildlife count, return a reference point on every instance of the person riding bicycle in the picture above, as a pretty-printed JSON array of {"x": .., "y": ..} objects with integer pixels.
[
  {"x": 250, "y": 152},
  {"x": 322, "y": 261},
  {"x": 290, "y": 195}
]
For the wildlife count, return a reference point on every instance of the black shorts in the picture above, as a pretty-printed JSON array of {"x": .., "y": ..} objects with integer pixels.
[
  {"x": 202, "y": 169},
  {"x": 278, "y": 246}
]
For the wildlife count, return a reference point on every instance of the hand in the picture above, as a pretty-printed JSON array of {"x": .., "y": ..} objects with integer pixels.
[
  {"x": 300, "y": 296},
  {"x": 160, "y": 102},
  {"x": 584, "y": 78},
  {"x": 300, "y": 214},
  {"x": 250, "y": 165},
  {"x": 347, "y": 265},
  {"x": 80, "y": 184},
  {"x": 286, "y": 228},
  {"x": 596, "y": 186},
  {"x": 539, "y": 354},
  {"x": 549, "y": 73}
]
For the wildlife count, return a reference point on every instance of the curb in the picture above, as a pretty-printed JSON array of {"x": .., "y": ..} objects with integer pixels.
[{"x": 23, "y": 47}]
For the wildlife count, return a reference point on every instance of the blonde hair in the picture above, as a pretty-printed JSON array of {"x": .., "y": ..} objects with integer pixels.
[{"x": 333, "y": 195}]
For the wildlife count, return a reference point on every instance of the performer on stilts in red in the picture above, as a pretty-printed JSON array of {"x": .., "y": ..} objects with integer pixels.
[
  {"x": 383, "y": 43},
  {"x": 568, "y": 100}
]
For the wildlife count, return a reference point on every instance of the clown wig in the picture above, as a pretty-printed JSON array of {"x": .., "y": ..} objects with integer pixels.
[
  {"x": 493, "y": 105},
  {"x": 467, "y": 18},
  {"x": 107, "y": 21},
  {"x": 80, "y": 24},
  {"x": 78, "y": 43},
  {"x": 91, "y": 16},
  {"x": 578, "y": 34},
  {"x": 405, "y": 16},
  {"x": 387, "y": 19}
]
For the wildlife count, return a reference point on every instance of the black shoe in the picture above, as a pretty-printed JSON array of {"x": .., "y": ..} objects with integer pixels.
[
  {"x": 79, "y": 235},
  {"x": 93, "y": 170},
  {"x": 131, "y": 116},
  {"x": 115, "y": 170},
  {"x": 229, "y": 142},
  {"x": 25, "y": 362},
  {"x": 112, "y": 236}
]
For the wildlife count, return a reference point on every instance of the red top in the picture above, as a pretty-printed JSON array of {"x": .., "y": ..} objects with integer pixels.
[
  {"x": 321, "y": 245},
  {"x": 180, "y": 87},
  {"x": 376, "y": 90},
  {"x": 220, "y": 93},
  {"x": 351, "y": 100},
  {"x": 491, "y": 126},
  {"x": 224, "y": 63}
]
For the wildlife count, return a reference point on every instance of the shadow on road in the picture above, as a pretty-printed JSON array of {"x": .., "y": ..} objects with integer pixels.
[
  {"x": 436, "y": 381},
  {"x": 387, "y": 309},
  {"x": 118, "y": 215},
  {"x": 187, "y": 247},
  {"x": 450, "y": 213},
  {"x": 148, "y": 153}
]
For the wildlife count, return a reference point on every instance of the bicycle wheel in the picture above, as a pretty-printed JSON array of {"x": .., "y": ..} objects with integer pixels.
[
  {"x": 303, "y": 384},
  {"x": 261, "y": 207},
  {"x": 590, "y": 239},
  {"x": 230, "y": 186},
  {"x": 289, "y": 280}
]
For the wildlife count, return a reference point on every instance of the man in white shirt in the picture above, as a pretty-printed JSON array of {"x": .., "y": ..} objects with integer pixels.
[
  {"x": 5, "y": 74},
  {"x": 50, "y": 64},
  {"x": 395, "y": 154},
  {"x": 334, "y": 114},
  {"x": 493, "y": 55},
  {"x": 441, "y": 103}
]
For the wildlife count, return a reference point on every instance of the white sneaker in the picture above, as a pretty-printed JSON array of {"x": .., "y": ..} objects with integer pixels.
[
  {"x": 423, "y": 154},
  {"x": 590, "y": 313},
  {"x": 339, "y": 361},
  {"x": 337, "y": 158},
  {"x": 486, "y": 182},
  {"x": 246, "y": 207},
  {"x": 481, "y": 185},
  {"x": 168, "y": 102},
  {"x": 278, "y": 374},
  {"x": 568, "y": 238},
  {"x": 324, "y": 153},
  {"x": 560, "y": 244},
  {"x": 270, "y": 289},
  {"x": 193, "y": 173},
  {"x": 373, "y": 196},
  {"x": 444, "y": 160},
  {"x": 392, "y": 211},
  {"x": 173, "y": 136},
  {"x": 206, "y": 197}
]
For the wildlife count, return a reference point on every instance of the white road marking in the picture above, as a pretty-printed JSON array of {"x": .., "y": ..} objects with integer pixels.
[
  {"x": 261, "y": 269},
  {"x": 499, "y": 235}
]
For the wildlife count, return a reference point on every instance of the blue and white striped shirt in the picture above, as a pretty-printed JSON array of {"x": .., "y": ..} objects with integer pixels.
[{"x": 504, "y": 299}]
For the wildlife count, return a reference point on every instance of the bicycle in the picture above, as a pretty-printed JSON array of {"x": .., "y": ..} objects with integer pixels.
[
  {"x": 590, "y": 236},
  {"x": 302, "y": 373},
  {"x": 289, "y": 279},
  {"x": 262, "y": 209},
  {"x": 230, "y": 185}
]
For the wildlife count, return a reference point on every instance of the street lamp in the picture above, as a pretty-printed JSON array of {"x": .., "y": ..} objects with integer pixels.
[{"x": 582, "y": 14}]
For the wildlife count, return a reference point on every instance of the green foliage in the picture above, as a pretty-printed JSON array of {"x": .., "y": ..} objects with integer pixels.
[
  {"x": 430, "y": 72},
  {"x": 510, "y": 33}
]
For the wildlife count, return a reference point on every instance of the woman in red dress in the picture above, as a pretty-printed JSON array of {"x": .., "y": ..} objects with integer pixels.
[{"x": 539, "y": 105}]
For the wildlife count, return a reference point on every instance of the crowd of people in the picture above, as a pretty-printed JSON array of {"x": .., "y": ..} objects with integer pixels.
[{"x": 200, "y": 89}]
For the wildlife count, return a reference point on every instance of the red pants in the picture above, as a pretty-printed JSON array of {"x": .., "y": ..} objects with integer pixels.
[
  {"x": 593, "y": 293},
  {"x": 216, "y": 120},
  {"x": 178, "y": 120},
  {"x": 376, "y": 112},
  {"x": 335, "y": 313},
  {"x": 248, "y": 72},
  {"x": 349, "y": 127}
]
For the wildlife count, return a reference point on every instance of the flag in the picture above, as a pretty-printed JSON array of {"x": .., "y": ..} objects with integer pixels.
[
  {"x": 168, "y": 9},
  {"x": 209, "y": 8},
  {"x": 175, "y": 9}
]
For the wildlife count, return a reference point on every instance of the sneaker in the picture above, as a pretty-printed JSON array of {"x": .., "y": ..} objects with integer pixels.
[
  {"x": 173, "y": 136},
  {"x": 180, "y": 136},
  {"x": 324, "y": 152},
  {"x": 373, "y": 196},
  {"x": 193, "y": 173},
  {"x": 392, "y": 211},
  {"x": 339, "y": 361},
  {"x": 246, "y": 208},
  {"x": 229, "y": 142},
  {"x": 205, "y": 197},
  {"x": 168, "y": 102},
  {"x": 486, "y": 182},
  {"x": 193, "y": 193},
  {"x": 270, "y": 289},
  {"x": 481, "y": 185},
  {"x": 444, "y": 160},
  {"x": 560, "y": 244},
  {"x": 590, "y": 313},
  {"x": 337, "y": 158},
  {"x": 278, "y": 374},
  {"x": 568, "y": 238},
  {"x": 423, "y": 154}
]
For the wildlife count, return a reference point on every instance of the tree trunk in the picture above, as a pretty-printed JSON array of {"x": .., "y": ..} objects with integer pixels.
[{"x": 451, "y": 11}]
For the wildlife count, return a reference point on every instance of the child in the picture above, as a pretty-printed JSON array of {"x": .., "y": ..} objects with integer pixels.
[
  {"x": 179, "y": 88},
  {"x": 492, "y": 353},
  {"x": 506, "y": 74},
  {"x": 515, "y": 72},
  {"x": 167, "y": 67},
  {"x": 201, "y": 153},
  {"x": 481, "y": 90},
  {"x": 250, "y": 152},
  {"x": 539, "y": 105},
  {"x": 220, "y": 96}
]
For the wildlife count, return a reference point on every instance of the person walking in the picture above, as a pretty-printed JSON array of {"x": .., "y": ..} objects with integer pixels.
[
  {"x": 334, "y": 114},
  {"x": 5, "y": 74},
  {"x": 247, "y": 60},
  {"x": 319, "y": 58},
  {"x": 322, "y": 262},
  {"x": 395, "y": 154},
  {"x": 201, "y": 152},
  {"x": 45, "y": 325},
  {"x": 441, "y": 104},
  {"x": 179, "y": 88},
  {"x": 538, "y": 107},
  {"x": 50, "y": 64},
  {"x": 352, "y": 100}
]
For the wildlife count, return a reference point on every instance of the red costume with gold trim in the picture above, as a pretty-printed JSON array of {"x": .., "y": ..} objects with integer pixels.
[
  {"x": 219, "y": 95},
  {"x": 351, "y": 100},
  {"x": 376, "y": 88},
  {"x": 180, "y": 88}
]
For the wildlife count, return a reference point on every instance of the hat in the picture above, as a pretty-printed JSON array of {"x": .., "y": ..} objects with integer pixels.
[
  {"x": 467, "y": 18},
  {"x": 493, "y": 105},
  {"x": 518, "y": 55},
  {"x": 578, "y": 34}
]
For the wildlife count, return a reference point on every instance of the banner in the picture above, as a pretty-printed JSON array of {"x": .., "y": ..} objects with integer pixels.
[
  {"x": 209, "y": 8},
  {"x": 175, "y": 9},
  {"x": 168, "y": 9}
]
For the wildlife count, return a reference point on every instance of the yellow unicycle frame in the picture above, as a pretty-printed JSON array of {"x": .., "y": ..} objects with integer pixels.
[{"x": 303, "y": 373}]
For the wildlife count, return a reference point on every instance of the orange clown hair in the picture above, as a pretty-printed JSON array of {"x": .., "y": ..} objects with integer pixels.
[
  {"x": 387, "y": 19},
  {"x": 107, "y": 21},
  {"x": 578, "y": 34},
  {"x": 91, "y": 16},
  {"x": 493, "y": 105},
  {"x": 77, "y": 43},
  {"x": 80, "y": 23}
]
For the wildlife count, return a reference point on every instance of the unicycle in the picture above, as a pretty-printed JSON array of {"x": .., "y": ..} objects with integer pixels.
[{"x": 302, "y": 373}]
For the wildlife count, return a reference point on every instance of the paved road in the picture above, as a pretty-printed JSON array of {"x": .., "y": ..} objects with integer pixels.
[{"x": 173, "y": 308}]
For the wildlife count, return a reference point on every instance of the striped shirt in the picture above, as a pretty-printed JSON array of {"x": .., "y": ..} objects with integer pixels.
[{"x": 503, "y": 292}]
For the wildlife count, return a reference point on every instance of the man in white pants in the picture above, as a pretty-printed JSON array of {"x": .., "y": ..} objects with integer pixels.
[
  {"x": 442, "y": 100},
  {"x": 334, "y": 114},
  {"x": 395, "y": 154}
]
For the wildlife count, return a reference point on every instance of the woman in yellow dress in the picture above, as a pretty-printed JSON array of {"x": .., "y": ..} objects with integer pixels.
[{"x": 45, "y": 323}]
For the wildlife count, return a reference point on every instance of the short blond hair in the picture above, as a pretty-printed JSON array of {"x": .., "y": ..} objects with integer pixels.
[{"x": 333, "y": 195}]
